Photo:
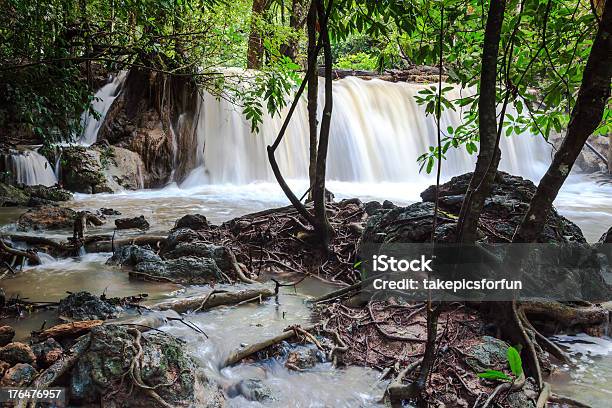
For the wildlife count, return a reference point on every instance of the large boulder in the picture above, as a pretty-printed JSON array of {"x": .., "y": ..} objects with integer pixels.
[
  {"x": 186, "y": 270},
  {"x": 502, "y": 213},
  {"x": 83, "y": 171},
  {"x": 47, "y": 218},
  {"x": 85, "y": 306},
  {"x": 117, "y": 355},
  {"x": 101, "y": 169},
  {"x": 48, "y": 194},
  {"x": 11, "y": 196}
]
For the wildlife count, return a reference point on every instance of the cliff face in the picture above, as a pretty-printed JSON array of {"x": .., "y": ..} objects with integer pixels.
[{"x": 155, "y": 116}]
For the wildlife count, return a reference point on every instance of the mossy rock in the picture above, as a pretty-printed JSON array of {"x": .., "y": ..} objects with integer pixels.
[
  {"x": 11, "y": 196},
  {"x": 102, "y": 374}
]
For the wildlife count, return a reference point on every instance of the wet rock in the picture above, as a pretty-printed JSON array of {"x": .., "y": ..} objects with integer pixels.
[
  {"x": 14, "y": 353},
  {"x": 372, "y": 207},
  {"x": 220, "y": 254},
  {"x": 46, "y": 194},
  {"x": 99, "y": 373},
  {"x": 504, "y": 210},
  {"x": 18, "y": 375},
  {"x": 82, "y": 170},
  {"x": 489, "y": 354},
  {"x": 108, "y": 211},
  {"x": 46, "y": 218},
  {"x": 6, "y": 335},
  {"x": 607, "y": 237},
  {"x": 302, "y": 358},
  {"x": 180, "y": 235},
  {"x": 11, "y": 196},
  {"x": 132, "y": 255},
  {"x": 192, "y": 221},
  {"x": 251, "y": 389},
  {"x": 188, "y": 270},
  {"x": 47, "y": 352},
  {"x": 126, "y": 169},
  {"x": 136, "y": 222},
  {"x": 85, "y": 306}
]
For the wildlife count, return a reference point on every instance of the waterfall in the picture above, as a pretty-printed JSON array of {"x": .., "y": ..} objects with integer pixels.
[
  {"x": 28, "y": 167},
  {"x": 103, "y": 99},
  {"x": 377, "y": 132}
]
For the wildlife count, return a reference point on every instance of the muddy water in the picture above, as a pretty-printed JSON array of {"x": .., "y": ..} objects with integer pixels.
[
  {"x": 229, "y": 328},
  {"x": 590, "y": 381}
]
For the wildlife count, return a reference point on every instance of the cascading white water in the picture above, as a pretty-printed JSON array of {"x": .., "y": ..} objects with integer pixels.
[
  {"x": 377, "y": 132},
  {"x": 29, "y": 167},
  {"x": 103, "y": 99}
]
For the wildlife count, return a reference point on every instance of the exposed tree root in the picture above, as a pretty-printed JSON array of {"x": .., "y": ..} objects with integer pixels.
[
  {"x": 30, "y": 255},
  {"x": 505, "y": 387}
]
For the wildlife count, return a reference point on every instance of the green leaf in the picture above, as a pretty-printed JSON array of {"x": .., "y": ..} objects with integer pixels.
[
  {"x": 495, "y": 375},
  {"x": 514, "y": 361}
]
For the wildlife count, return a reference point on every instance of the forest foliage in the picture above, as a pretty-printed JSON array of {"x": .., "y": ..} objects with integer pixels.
[{"x": 50, "y": 51}]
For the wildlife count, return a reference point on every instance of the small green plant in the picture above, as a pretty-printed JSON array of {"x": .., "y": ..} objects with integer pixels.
[{"x": 514, "y": 362}]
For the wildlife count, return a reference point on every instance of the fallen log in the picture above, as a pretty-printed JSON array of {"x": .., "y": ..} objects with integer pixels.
[
  {"x": 205, "y": 302},
  {"x": 566, "y": 315},
  {"x": 67, "y": 329},
  {"x": 107, "y": 245},
  {"x": 239, "y": 355}
]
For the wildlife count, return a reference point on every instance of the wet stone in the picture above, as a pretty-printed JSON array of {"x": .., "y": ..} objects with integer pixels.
[
  {"x": 47, "y": 352},
  {"x": 188, "y": 269},
  {"x": 6, "y": 335},
  {"x": 192, "y": 221},
  {"x": 135, "y": 222},
  {"x": 108, "y": 211},
  {"x": 14, "y": 353},
  {"x": 251, "y": 389},
  {"x": 46, "y": 218},
  {"x": 85, "y": 306},
  {"x": 302, "y": 358},
  {"x": 18, "y": 375},
  {"x": 131, "y": 255}
]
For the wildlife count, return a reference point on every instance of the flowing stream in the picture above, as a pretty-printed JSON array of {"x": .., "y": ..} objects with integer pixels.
[{"x": 376, "y": 124}]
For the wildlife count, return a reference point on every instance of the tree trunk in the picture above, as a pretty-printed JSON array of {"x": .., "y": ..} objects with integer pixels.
[
  {"x": 296, "y": 22},
  {"x": 585, "y": 118},
  {"x": 323, "y": 227},
  {"x": 255, "y": 46},
  {"x": 313, "y": 90},
  {"x": 488, "y": 157}
]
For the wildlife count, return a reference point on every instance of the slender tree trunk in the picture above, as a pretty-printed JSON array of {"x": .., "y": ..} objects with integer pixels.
[
  {"x": 585, "y": 118},
  {"x": 323, "y": 226},
  {"x": 488, "y": 157},
  {"x": 296, "y": 22},
  {"x": 313, "y": 89},
  {"x": 255, "y": 46}
]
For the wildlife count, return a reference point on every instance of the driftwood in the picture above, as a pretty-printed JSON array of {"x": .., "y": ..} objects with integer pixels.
[
  {"x": 239, "y": 355},
  {"x": 59, "y": 368},
  {"x": 68, "y": 329},
  {"x": 107, "y": 245},
  {"x": 30, "y": 255},
  {"x": 205, "y": 302}
]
